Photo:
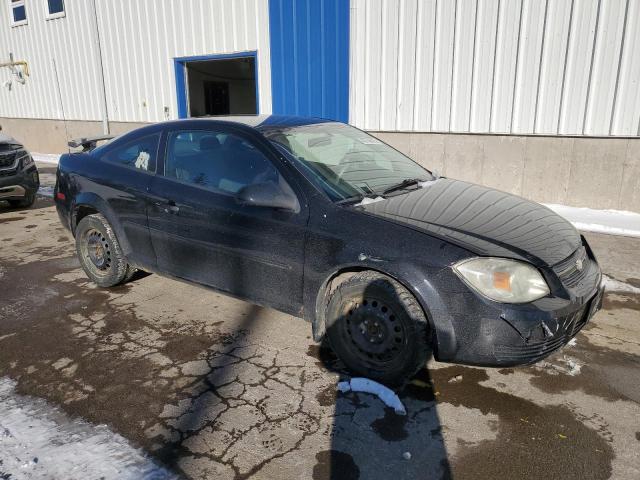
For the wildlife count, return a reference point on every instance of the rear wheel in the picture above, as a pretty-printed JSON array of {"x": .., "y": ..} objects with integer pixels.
[
  {"x": 99, "y": 252},
  {"x": 377, "y": 328}
]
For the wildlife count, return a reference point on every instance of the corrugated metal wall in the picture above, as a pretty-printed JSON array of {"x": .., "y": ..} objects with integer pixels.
[
  {"x": 139, "y": 41},
  {"x": 501, "y": 66},
  {"x": 68, "y": 40}
]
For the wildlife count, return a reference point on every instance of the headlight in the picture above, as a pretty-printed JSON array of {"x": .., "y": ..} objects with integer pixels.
[
  {"x": 24, "y": 156},
  {"x": 503, "y": 280}
]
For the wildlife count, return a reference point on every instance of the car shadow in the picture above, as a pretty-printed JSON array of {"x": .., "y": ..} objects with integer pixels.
[
  {"x": 251, "y": 408},
  {"x": 41, "y": 202},
  {"x": 372, "y": 441}
]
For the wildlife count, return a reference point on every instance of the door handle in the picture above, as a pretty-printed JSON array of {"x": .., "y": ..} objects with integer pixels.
[{"x": 168, "y": 206}]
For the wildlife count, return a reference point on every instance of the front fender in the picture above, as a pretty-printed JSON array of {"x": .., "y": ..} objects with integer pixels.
[
  {"x": 419, "y": 281},
  {"x": 91, "y": 200}
]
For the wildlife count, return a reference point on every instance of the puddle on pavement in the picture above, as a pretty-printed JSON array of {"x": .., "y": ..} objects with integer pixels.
[
  {"x": 618, "y": 300},
  {"x": 600, "y": 372},
  {"x": 11, "y": 219},
  {"x": 551, "y": 441},
  {"x": 334, "y": 464},
  {"x": 328, "y": 395},
  {"x": 391, "y": 427}
]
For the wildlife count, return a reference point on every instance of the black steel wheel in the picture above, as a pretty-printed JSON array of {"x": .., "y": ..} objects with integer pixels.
[
  {"x": 378, "y": 328},
  {"x": 99, "y": 251}
]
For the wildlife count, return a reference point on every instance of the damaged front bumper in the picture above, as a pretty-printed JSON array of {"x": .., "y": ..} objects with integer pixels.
[{"x": 486, "y": 333}]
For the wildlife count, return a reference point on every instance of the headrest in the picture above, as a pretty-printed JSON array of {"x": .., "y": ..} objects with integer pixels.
[{"x": 209, "y": 143}]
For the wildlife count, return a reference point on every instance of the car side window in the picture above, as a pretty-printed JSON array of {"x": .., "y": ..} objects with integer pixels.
[
  {"x": 222, "y": 162},
  {"x": 139, "y": 154}
]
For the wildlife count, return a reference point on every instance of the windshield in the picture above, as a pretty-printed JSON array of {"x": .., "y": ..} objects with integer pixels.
[{"x": 343, "y": 161}]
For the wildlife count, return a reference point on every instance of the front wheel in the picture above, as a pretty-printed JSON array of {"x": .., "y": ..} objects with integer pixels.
[
  {"x": 377, "y": 328},
  {"x": 99, "y": 252},
  {"x": 26, "y": 202}
]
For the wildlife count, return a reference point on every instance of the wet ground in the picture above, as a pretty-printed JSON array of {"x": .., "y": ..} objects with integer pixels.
[{"x": 213, "y": 387}]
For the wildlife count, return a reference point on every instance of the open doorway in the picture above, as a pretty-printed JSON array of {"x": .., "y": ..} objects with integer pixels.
[{"x": 216, "y": 86}]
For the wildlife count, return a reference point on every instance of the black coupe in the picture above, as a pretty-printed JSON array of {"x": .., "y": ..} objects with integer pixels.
[{"x": 320, "y": 220}]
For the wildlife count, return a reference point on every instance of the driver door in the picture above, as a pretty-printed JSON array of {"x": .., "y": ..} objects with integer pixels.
[{"x": 200, "y": 232}]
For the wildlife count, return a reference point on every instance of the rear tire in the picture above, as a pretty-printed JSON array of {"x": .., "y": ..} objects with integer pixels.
[
  {"x": 25, "y": 202},
  {"x": 99, "y": 252},
  {"x": 377, "y": 328}
]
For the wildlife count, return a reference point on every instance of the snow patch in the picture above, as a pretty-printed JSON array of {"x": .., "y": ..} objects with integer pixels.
[
  {"x": 45, "y": 191},
  {"x": 38, "y": 441},
  {"x": 364, "y": 385},
  {"x": 613, "y": 222},
  {"x": 613, "y": 285},
  {"x": 52, "y": 158},
  {"x": 367, "y": 201}
]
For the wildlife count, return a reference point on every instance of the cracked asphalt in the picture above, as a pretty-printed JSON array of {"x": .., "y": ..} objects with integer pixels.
[{"x": 213, "y": 387}]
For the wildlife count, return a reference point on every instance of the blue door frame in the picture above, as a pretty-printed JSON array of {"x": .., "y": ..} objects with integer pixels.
[
  {"x": 180, "y": 64},
  {"x": 310, "y": 57}
]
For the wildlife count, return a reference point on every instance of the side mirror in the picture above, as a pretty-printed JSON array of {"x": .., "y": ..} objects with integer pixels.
[{"x": 269, "y": 194}]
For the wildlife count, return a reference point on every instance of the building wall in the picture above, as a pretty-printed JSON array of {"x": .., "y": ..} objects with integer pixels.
[
  {"x": 548, "y": 76},
  {"x": 601, "y": 173},
  {"x": 139, "y": 41},
  {"x": 568, "y": 67}
]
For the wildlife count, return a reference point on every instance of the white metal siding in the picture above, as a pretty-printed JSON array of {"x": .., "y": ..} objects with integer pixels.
[
  {"x": 140, "y": 39},
  {"x": 496, "y": 66},
  {"x": 68, "y": 40}
]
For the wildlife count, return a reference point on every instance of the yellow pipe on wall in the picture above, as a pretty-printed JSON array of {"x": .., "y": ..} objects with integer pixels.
[{"x": 22, "y": 63}]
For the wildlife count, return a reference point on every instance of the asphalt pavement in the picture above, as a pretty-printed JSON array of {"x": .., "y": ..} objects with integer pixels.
[{"x": 214, "y": 387}]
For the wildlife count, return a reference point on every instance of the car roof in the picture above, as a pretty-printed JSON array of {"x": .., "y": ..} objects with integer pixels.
[{"x": 258, "y": 122}]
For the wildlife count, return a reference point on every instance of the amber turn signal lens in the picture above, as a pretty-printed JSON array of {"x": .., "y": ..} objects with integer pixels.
[{"x": 502, "y": 280}]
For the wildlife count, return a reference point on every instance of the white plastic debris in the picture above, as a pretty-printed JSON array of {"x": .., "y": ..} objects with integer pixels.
[
  {"x": 456, "y": 379},
  {"x": 613, "y": 285},
  {"x": 572, "y": 343},
  {"x": 573, "y": 367},
  {"x": 406, "y": 455},
  {"x": 388, "y": 396}
]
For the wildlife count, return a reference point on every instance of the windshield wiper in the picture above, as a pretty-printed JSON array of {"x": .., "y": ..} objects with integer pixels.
[{"x": 407, "y": 182}]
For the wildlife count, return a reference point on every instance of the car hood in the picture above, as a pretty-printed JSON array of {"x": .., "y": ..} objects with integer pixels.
[
  {"x": 483, "y": 220},
  {"x": 7, "y": 140}
]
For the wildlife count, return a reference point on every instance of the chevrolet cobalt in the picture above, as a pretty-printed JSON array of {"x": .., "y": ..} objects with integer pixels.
[{"x": 387, "y": 260}]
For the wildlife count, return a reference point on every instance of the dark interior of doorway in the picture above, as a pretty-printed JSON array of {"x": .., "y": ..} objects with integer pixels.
[{"x": 222, "y": 87}]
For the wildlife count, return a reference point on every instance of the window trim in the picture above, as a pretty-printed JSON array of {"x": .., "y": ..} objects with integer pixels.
[
  {"x": 12, "y": 6},
  {"x": 53, "y": 16}
]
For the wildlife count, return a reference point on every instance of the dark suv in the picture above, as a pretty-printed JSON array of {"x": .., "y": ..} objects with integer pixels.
[
  {"x": 323, "y": 221},
  {"x": 19, "y": 179}
]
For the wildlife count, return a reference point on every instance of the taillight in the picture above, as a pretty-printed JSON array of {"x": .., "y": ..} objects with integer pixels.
[{"x": 60, "y": 196}]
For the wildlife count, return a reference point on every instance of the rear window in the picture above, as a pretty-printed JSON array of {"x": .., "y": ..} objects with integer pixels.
[{"x": 139, "y": 154}]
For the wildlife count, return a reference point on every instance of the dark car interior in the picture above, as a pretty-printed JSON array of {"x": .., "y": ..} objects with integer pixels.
[{"x": 220, "y": 161}]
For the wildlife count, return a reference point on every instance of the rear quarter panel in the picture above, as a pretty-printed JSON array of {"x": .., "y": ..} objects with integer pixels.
[{"x": 87, "y": 181}]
